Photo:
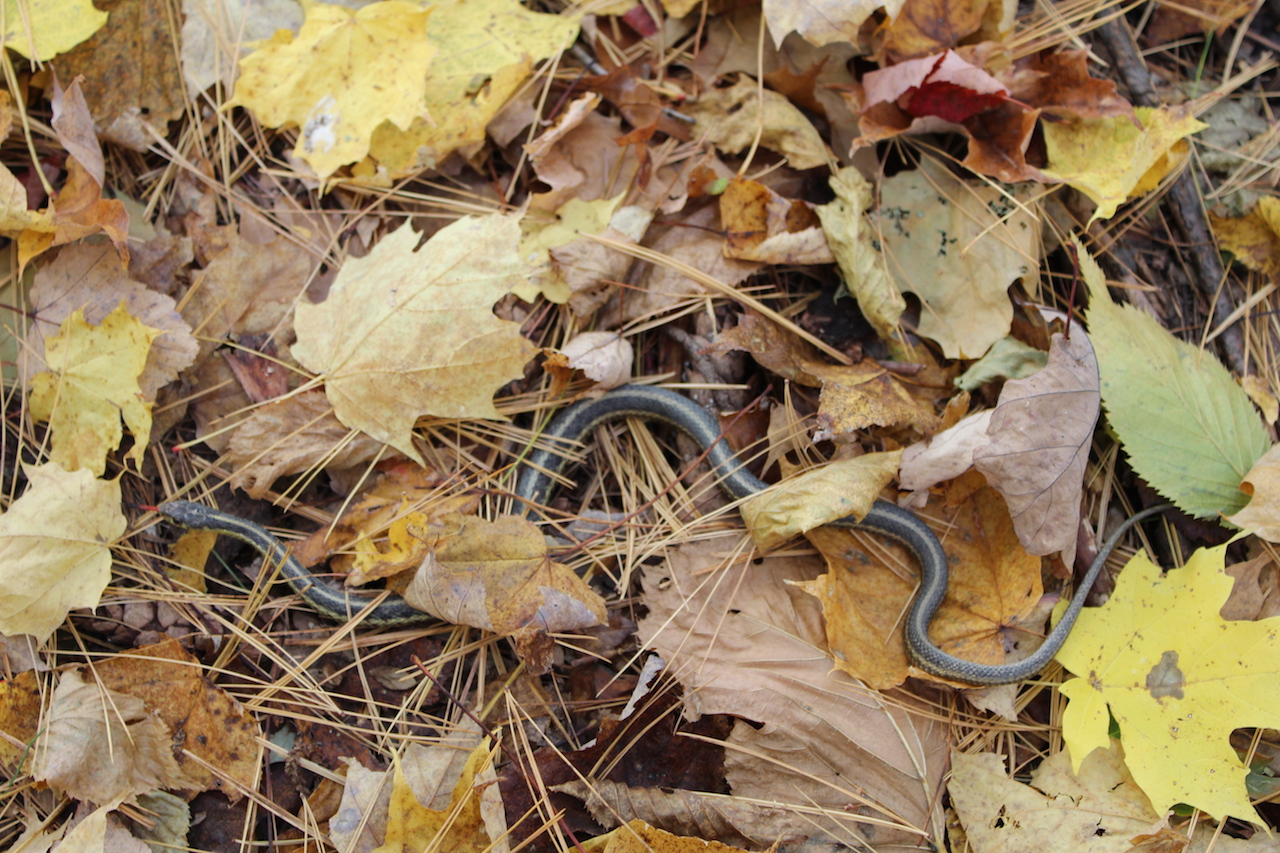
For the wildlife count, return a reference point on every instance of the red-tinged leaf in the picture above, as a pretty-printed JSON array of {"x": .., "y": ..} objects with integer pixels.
[{"x": 949, "y": 101}]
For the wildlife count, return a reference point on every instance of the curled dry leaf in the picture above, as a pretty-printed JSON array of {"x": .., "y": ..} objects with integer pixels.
[
  {"x": 103, "y": 746},
  {"x": 498, "y": 576},
  {"x": 731, "y": 118},
  {"x": 818, "y": 497},
  {"x": 605, "y": 357},
  {"x": 761, "y": 225},
  {"x": 1262, "y": 483},
  {"x": 292, "y": 435}
]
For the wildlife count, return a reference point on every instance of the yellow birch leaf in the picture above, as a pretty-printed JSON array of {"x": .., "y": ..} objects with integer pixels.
[
  {"x": 41, "y": 29},
  {"x": 486, "y": 51},
  {"x": 94, "y": 386},
  {"x": 407, "y": 333},
  {"x": 817, "y": 497},
  {"x": 1177, "y": 678},
  {"x": 53, "y": 548},
  {"x": 1108, "y": 159},
  {"x": 344, "y": 74}
]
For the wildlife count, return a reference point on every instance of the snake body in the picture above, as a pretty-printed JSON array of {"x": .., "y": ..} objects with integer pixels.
[{"x": 534, "y": 485}]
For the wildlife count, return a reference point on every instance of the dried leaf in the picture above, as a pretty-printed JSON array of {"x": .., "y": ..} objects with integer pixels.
[
  {"x": 731, "y": 118},
  {"x": 994, "y": 585},
  {"x": 53, "y": 548},
  {"x": 498, "y": 576},
  {"x": 367, "y": 339},
  {"x": 834, "y": 491},
  {"x": 1041, "y": 432},
  {"x": 761, "y": 225},
  {"x": 92, "y": 385}
]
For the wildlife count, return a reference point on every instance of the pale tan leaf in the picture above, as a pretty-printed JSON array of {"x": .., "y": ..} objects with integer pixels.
[
  {"x": 103, "y": 746},
  {"x": 1041, "y": 431},
  {"x": 406, "y": 333},
  {"x": 741, "y": 642},
  {"x": 53, "y": 548}
]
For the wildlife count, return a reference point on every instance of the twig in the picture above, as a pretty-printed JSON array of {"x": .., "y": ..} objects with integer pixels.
[{"x": 1184, "y": 202}]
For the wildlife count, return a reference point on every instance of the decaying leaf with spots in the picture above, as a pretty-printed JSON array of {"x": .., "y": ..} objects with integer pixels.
[{"x": 1159, "y": 660}]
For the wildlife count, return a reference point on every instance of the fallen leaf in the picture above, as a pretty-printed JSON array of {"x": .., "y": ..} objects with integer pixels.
[
  {"x": 1097, "y": 810},
  {"x": 1159, "y": 660},
  {"x": 1187, "y": 427},
  {"x": 834, "y": 491},
  {"x": 761, "y": 225},
  {"x": 731, "y": 119},
  {"x": 247, "y": 289},
  {"x": 205, "y": 721},
  {"x": 21, "y": 703},
  {"x": 942, "y": 86},
  {"x": 853, "y": 396},
  {"x": 1259, "y": 391},
  {"x": 925, "y": 27},
  {"x": 93, "y": 384},
  {"x": 498, "y": 576},
  {"x": 959, "y": 247},
  {"x": 1040, "y": 435},
  {"x": 78, "y": 210},
  {"x": 130, "y": 65},
  {"x": 637, "y": 101},
  {"x": 53, "y": 545},
  {"x": 1059, "y": 84},
  {"x": 823, "y": 22},
  {"x": 946, "y": 455},
  {"x": 740, "y": 642},
  {"x": 1110, "y": 160},
  {"x": 103, "y": 746},
  {"x": 459, "y": 825},
  {"x": 1008, "y": 358},
  {"x": 1171, "y": 22},
  {"x": 604, "y": 357},
  {"x": 42, "y": 29},
  {"x": 1262, "y": 485},
  {"x": 92, "y": 278},
  {"x": 485, "y": 50},
  {"x": 74, "y": 127},
  {"x": 343, "y": 75},
  {"x": 290, "y": 436},
  {"x": 1254, "y": 238},
  {"x": 854, "y": 245},
  {"x": 367, "y": 338},
  {"x": 636, "y": 836},
  {"x": 542, "y": 237},
  {"x": 994, "y": 585},
  {"x": 216, "y": 34}
]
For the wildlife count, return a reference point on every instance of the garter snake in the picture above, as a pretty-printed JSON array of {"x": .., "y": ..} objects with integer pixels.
[{"x": 534, "y": 484}]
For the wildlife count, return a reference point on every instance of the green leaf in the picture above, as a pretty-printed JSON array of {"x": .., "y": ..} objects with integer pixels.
[{"x": 1189, "y": 429}]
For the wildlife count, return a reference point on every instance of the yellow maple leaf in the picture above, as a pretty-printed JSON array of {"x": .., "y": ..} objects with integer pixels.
[
  {"x": 486, "y": 51},
  {"x": 412, "y": 825},
  {"x": 407, "y": 333},
  {"x": 1253, "y": 238},
  {"x": 1177, "y": 678},
  {"x": 41, "y": 29},
  {"x": 94, "y": 386},
  {"x": 53, "y": 548},
  {"x": 344, "y": 74},
  {"x": 1109, "y": 159}
]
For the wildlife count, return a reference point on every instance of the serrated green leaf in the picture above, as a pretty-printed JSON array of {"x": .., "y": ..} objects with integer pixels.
[{"x": 1189, "y": 429}]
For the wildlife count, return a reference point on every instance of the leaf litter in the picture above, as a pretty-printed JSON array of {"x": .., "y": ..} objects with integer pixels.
[{"x": 338, "y": 284}]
